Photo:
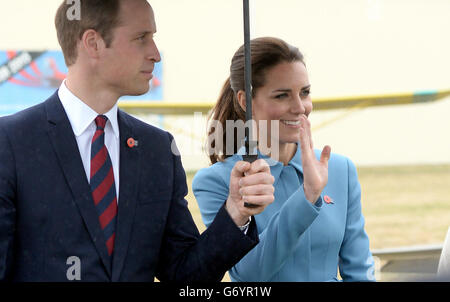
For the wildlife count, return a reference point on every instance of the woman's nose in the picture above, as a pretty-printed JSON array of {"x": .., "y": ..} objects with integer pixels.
[{"x": 297, "y": 106}]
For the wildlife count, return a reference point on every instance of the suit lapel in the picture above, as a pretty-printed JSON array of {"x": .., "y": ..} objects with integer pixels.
[
  {"x": 129, "y": 180},
  {"x": 66, "y": 148}
]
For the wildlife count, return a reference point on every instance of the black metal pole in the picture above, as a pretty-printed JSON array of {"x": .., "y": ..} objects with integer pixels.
[
  {"x": 248, "y": 76},
  {"x": 250, "y": 145}
]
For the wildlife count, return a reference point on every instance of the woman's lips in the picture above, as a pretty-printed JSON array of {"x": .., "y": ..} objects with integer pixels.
[{"x": 291, "y": 123}]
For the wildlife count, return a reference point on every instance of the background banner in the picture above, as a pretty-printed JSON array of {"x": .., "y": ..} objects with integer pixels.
[{"x": 30, "y": 77}]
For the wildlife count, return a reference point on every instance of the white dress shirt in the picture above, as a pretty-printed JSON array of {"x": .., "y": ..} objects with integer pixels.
[{"x": 82, "y": 119}]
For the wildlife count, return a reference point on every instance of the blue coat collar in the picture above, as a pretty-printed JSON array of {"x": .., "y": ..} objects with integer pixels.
[{"x": 276, "y": 166}]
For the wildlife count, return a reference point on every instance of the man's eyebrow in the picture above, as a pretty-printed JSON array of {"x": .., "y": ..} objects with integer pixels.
[{"x": 144, "y": 32}]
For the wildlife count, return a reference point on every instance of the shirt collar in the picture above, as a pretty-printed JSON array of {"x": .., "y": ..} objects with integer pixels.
[{"x": 81, "y": 115}]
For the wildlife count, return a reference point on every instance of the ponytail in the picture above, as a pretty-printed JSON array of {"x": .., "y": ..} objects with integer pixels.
[{"x": 227, "y": 108}]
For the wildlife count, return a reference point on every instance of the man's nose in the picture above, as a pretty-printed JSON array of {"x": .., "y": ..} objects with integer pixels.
[{"x": 153, "y": 53}]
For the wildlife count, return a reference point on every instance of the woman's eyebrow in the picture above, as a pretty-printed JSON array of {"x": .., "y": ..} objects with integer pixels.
[
  {"x": 289, "y": 90},
  {"x": 282, "y": 90}
]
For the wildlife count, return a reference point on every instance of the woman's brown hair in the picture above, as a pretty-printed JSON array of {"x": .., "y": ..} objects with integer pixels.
[{"x": 267, "y": 52}]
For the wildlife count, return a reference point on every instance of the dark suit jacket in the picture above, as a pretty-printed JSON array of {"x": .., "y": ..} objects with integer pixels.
[{"x": 47, "y": 213}]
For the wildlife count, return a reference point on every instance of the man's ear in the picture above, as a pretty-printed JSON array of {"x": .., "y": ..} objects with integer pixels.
[
  {"x": 241, "y": 99},
  {"x": 91, "y": 43}
]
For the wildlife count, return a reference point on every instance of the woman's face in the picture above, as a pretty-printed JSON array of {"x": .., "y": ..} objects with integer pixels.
[{"x": 285, "y": 97}]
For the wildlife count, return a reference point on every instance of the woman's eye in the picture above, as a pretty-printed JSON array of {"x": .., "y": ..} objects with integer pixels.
[
  {"x": 281, "y": 96},
  {"x": 305, "y": 93}
]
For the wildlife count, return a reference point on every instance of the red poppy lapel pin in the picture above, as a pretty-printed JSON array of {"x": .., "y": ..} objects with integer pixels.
[{"x": 328, "y": 199}]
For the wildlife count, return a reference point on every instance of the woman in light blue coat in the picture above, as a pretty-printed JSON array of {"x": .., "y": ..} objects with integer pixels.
[{"x": 314, "y": 227}]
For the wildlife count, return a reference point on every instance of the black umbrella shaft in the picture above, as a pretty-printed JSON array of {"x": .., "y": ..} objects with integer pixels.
[
  {"x": 249, "y": 144},
  {"x": 248, "y": 64},
  {"x": 247, "y": 78}
]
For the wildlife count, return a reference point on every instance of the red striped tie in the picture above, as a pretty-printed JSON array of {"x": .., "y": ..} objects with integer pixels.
[{"x": 102, "y": 183}]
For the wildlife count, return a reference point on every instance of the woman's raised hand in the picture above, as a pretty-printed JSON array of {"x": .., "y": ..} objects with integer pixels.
[{"x": 315, "y": 172}]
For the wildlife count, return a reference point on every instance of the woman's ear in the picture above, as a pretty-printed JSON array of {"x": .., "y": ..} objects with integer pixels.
[{"x": 241, "y": 99}]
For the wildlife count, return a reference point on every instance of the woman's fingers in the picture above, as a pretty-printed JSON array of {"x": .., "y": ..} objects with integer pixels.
[
  {"x": 305, "y": 136},
  {"x": 315, "y": 172},
  {"x": 307, "y": 124},
  {"x": 325, "y": 155}
]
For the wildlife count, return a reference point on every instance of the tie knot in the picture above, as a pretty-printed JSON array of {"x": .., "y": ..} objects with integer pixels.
[{"x": 100, "y": 121}]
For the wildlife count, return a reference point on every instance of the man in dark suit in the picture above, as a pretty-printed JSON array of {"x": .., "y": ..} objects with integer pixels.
[{"x": 88, "y": 192}]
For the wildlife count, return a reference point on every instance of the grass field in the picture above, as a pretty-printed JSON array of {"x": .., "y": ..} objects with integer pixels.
[
  {"x": 406, "y": 205},
  {"x": 402, "y": 205}
]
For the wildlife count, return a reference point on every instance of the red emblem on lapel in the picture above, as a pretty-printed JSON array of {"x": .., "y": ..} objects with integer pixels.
[
  {"x": 328, "y": 199},
  {"x": 131, "y": 142}
]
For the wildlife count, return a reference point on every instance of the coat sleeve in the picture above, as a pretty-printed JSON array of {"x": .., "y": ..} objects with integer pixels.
[
  {"x": 355, "y": 259},
  {"x": 7, "y": 205},
  {"x": 188, "y": 256},
  {"x": 276, "y": 242}
]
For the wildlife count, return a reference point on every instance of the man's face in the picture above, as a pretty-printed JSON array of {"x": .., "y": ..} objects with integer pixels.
[{"x": 126, "y": 66}]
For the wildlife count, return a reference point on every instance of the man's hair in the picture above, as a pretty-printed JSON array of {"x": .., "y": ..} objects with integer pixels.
[{"x": 99, "y": 15}]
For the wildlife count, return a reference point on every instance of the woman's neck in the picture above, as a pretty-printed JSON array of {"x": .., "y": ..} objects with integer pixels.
[{"x": 286, "y": 152}]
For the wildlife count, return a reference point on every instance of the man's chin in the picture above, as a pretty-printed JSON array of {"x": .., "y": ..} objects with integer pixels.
[{"x": 139, "y": 90}]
